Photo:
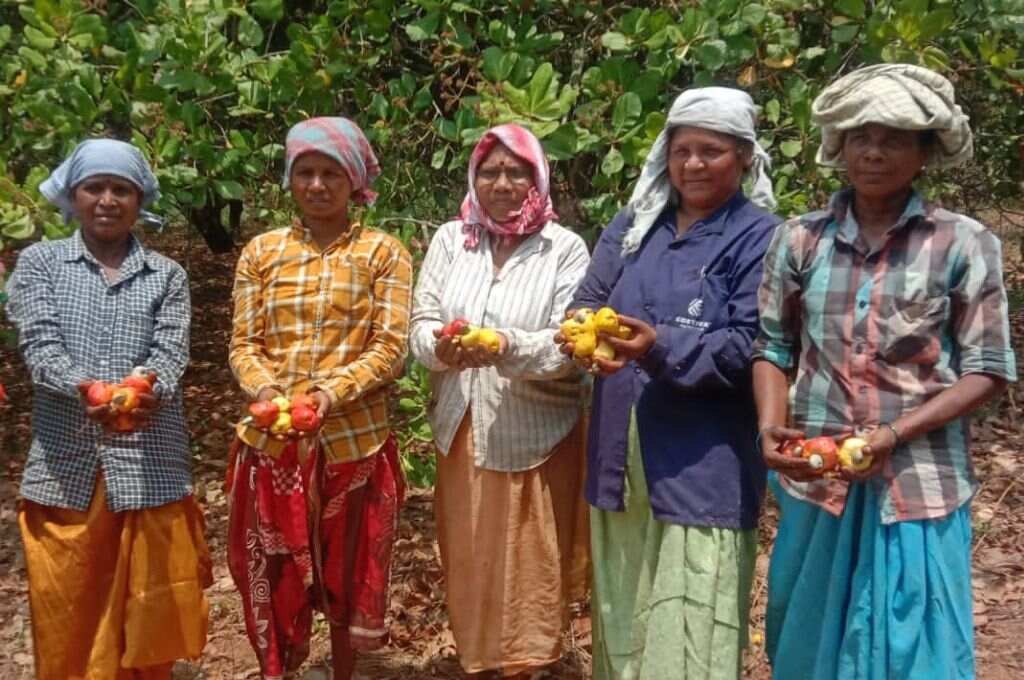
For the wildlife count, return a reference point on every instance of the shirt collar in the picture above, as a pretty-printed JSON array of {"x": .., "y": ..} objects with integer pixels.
[
  {"x": 138, "y": 256},
  {"x": 713, "y": 224},
  {"x": 840, "y": 207},
  {"x": 302, "y": 232}
]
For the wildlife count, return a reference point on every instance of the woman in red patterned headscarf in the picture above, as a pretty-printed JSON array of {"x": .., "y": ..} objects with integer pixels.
[{"x": 511, "y": 522}]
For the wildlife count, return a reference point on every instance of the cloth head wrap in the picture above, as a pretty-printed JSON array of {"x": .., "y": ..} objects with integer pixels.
[
  {"x": 342, "y": 140},
  {"x": 101, "y": 157},
  {"x": 720, "y": 109},
  {"x": 537, "y": 209},
  {"x": 901, "y": 96}
]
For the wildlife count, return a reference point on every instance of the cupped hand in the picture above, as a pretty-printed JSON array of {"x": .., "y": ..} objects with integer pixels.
[{"x": 797, "y": 469}]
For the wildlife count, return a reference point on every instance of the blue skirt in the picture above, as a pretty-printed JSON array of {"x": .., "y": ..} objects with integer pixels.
[{"x": 850, "y": 598}]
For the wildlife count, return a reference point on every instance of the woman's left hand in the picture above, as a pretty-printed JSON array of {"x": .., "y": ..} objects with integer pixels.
[
  {"x": 639, "y": 343},
  {"x": 881, "y": 443}
]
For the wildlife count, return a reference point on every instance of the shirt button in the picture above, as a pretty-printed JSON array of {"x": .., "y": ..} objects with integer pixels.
[
  {"x": 862, "y": 389},
  {"x": 859, "y": 348},
  {"x": 648, "y": 307},
  {"x": 636, "y": 369},
  {"x": 862, "y": 304}
]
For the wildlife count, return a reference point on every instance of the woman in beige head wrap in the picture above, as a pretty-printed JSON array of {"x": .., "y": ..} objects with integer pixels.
[{"x": 891, "y": 313}]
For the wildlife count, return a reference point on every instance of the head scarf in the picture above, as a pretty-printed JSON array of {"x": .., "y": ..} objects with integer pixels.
[
  {"x": 720, "y": 109},
  {"x": 537, "y": 209},
  {"x": 901, "y": 96},
  {"x": 101, "y": 157},
  {"x": 342, "y": 140}
]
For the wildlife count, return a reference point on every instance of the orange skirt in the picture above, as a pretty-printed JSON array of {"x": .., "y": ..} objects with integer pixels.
[
  {"x": 115, "y": 595},
  {"x": 516, "y": 552}
]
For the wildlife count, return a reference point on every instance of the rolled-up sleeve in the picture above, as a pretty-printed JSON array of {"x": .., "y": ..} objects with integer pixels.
[
  {"x": 980, "y": 311},
  {"x": 778, "y": 302}
]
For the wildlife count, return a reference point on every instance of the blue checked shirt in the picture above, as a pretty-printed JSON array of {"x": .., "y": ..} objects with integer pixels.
[{"x": 73, "y": 325}]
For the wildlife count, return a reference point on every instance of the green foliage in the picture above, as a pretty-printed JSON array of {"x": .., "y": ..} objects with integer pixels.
[
  {"x": 208, "y": 88},
  {"x": 414, "y": 433}
]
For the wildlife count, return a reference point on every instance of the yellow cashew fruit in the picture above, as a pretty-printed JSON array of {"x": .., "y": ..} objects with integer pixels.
[{"x": 852, "y": 456}]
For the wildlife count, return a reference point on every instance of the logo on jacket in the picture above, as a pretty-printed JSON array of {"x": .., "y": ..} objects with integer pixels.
[{"x": 696, "y": 307}]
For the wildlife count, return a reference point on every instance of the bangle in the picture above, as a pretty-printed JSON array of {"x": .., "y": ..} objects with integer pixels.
[{"x": 895, "y": 432}]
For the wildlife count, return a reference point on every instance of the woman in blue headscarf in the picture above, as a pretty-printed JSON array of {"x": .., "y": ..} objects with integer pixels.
[{"x": 113, "y": 538}]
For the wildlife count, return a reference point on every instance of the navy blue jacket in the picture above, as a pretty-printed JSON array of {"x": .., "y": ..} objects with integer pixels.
[{"x": 692, "y": 390}]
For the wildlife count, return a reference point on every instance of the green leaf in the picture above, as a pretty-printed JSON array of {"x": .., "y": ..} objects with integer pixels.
[
  {"x": 271, "y": 10},
  {"x": 561, "y": 144},
  {"x": 229, "y": 189},
  {"x": 250, "y": 33},
  {"x": 711, "y": 54},
  {"x": 498, "y": 64},
  {"x": 772, "y": 109},
  {"x": 613, "y": 162},
  {"x": 627, "y": 112},
  {"x": 38, "y": 39},
  {"x": 935, "y": 22},
  {"x": 425, "y": 27},
  {"x": 439, "y": 157},
  {"x": 845, "y": 33},
  {"x": 5, "y": 35},
  {"x": 791, "y": 148},
  {"x": 19, "y": 229},
  {"x": 851, "y": 8},
  {"x": 616, "y": 42},
  {"x": 753, "y": 14}
]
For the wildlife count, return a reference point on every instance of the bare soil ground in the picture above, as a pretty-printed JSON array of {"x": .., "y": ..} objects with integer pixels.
[{"x": 421, "y": 643}]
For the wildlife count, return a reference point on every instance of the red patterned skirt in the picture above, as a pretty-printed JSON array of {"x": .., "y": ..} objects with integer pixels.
[{"x": 303, "y": 533}]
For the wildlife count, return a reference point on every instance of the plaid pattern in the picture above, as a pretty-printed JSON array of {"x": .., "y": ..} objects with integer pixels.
[
  {"x": 335, "y": 319},
  {"x": 874, "y": 334},
  {"x": 74, "y": 326}
]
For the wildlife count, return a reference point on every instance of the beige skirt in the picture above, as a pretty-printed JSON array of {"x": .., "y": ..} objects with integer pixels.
[{"x": 515, "y": 551}]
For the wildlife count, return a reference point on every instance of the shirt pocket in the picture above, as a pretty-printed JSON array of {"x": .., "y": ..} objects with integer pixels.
[
  {"x": 911, "y": 331},
  {"x": 351, "y": 290}
]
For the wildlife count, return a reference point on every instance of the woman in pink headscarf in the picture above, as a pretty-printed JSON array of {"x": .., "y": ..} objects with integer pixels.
[{"x": 507, "y": 424}]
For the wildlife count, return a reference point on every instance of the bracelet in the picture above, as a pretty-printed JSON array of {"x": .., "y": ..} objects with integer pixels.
[{"x": 895, "y": 432}]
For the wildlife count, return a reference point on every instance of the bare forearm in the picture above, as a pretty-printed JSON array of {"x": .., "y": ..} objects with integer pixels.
[
  {"x": 770, "y": 394},
  {"x": 965, "y": 395}
]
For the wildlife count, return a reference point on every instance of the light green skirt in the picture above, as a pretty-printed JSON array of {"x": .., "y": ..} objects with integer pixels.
[{"x": 670, "y": 602}]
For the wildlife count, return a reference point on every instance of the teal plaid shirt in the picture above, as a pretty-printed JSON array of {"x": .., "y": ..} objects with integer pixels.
[
  {"x": 73, "y": 326},
  {"x": 873, "y": 334}
]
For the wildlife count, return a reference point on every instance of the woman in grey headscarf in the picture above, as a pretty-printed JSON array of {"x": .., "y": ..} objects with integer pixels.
[
  {"x": 113, "y": 538},
  {"x": 673, "y": 472},
  {"x": 888, "y": 315}
]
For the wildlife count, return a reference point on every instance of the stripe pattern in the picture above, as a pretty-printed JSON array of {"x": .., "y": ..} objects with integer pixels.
[
  {"x": 874, "y": 334},
  {"x": 522, "y": 407}
]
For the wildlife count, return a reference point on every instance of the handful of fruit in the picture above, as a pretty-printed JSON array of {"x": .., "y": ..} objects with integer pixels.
[
  {"x": 825, "y": 457},
  {"x": 582, "y": 328},
  {"x": 285, "y": 418},
  {"x": 468, "y": 335},
  {"x": 122, "y": 398}
]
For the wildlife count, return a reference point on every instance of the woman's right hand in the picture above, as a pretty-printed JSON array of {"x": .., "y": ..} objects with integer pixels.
[{"x": 797, "y": 469}]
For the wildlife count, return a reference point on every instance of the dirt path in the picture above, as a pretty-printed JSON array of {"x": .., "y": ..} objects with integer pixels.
[{"x": 421, "y": 645}]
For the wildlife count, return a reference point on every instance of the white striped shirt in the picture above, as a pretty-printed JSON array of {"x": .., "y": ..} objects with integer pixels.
[{"x": 522, "y": 407}]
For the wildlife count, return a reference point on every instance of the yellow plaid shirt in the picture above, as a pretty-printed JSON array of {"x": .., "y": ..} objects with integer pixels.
[{"x": 335, "y": 319}]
